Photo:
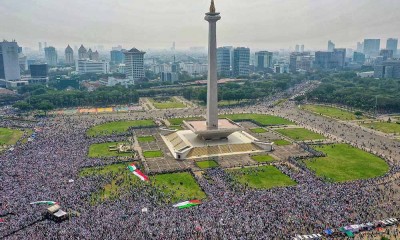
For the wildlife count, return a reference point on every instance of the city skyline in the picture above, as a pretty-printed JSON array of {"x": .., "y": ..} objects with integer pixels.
[{"x": 286, "y": 24}]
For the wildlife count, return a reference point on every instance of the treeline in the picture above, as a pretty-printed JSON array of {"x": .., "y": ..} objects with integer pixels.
[
  {"x": 44, "y": 98},
  {"x": 246, "y": 90},
  {"x": 363, "y": 93}
]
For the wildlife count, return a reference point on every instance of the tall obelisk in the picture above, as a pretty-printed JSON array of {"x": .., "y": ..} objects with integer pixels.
[{"x": 212, "y": 85}]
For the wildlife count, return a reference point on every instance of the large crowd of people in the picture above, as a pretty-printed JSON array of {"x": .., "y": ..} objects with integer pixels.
[{"x": 41, "y": 170}]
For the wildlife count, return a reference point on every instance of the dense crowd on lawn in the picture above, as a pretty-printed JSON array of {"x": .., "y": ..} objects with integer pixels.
[{"x": 41, "y": 170}]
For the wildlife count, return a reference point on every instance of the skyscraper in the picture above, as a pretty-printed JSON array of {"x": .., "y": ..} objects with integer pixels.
[
  {"x": 69, "y": 56},
  {"x": 224, "y": 61},
  {"x": 241, "y": 61},
  {"x": 9, "y": 62},
  {"x": 82, "y": 52},
  {"x": 331, "y": 46},
  {"x": 386, "y": 54},
  {"x": 302, "y": 48},
  {"x": 117, "y": 57},
  {"x": 134, "y": 64},
  {"x": 263, "y": 60},
  {"x": 40, "y": 47},
  {"x": 339, "y": 56},
  {"x": 391, "y": 44},
  {"x": 51, "y": 56},
  {"x": 360, "y": 47},
  {"x": 359, "y": 58},
  {"x": 297, "y": 48},
  {"x": 372, "y": 47}
]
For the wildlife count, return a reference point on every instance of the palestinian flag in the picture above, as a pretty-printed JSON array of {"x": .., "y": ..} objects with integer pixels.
[
  {"x": 140, "y": 175},
  {"x": 132, "y": 167},
  {"x": 187, "y": 204}
]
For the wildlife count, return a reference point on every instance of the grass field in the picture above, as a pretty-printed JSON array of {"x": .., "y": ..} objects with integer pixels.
[
  {"x": 207, "y": 164},
  {"x": 179, "y": 186},
  {"x": 100, "y": 150},
  {"x": 259, "y": 119},
  {"x": 118, "y": 127},
  {"x": 300, "y": 134},
  {"x": 258, "y": 130},
  {"x": 332, "y": 112},
  {"x": 146, "y": 139},
  {"x": 179, "y": 121},
  {"x": 170, "y": 103},
  {"x": 384, "y": 127},
  {"x": 346, "y": 163},
  {"x": 122, "y": 179},
  {"x": 263, "y": 158},
  {"x": 153, "y": 154},
  {"x": 10, "y": 136},
  {"x": 225, "y": 103},
  {"x": 281, "y": 142},
  {"x": 264, "y": 177}
]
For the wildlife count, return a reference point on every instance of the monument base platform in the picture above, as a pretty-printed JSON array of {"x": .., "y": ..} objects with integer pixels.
[{"x": 186, "y": 144}]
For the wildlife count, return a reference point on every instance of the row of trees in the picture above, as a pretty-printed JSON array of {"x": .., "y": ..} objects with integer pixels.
[{"x": 368, "y": 94}]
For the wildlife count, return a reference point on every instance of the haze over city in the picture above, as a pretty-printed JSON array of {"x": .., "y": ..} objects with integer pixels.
[{"x": 147, "y": 24}]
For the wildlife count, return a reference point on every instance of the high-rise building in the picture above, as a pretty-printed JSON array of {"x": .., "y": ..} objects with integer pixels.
[
  {"x": 224, "y": 61},
  {"x": 9, "y": 62},
  {"x": 69, "y": 56},
  {"x": 324, "y": 60},
  {"x": 39, "y": 73},
  {"x": 117, "y": 57},
  {"x": 386, "y": 54},
  {"x": 300, "y": 61},
  {"x": 134, "y": 64},
  {"x": 82, "y": 52},
  {"x": 339, "y": 56},
  {"x": 94, "y": 56},
  {"x": 297, "y": 48},
  {"x": 40, "y": 47},
  {"x": 50, "y": 56},
  {"x": 372, "y": 47},
  {"x": 388, "y": 69},
  {"x": 263, "y": 60},
  {"x": 360, "y": 47},
  {"x": 302, "y": 48},
  {"x": 391, "y": 44},
  {"x": 241, "y": 61},
  {"x": 90, "y": 66},
  {"x": 359, "y": 58},
  {"x": 331, "y": 46}
]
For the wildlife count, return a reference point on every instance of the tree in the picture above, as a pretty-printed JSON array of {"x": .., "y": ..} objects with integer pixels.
[
  {"x": 22, "y": 106},
  {"x": 45, "y": 106}
]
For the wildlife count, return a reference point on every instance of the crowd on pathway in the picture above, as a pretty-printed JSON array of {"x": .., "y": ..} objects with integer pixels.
[{"x": 41, "y": 170}]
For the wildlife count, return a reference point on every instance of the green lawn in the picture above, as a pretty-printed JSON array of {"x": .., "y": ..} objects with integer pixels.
[
  {"x": 207, "y": 164},
  {"x": 332, "y": 112},
  {"x": 300, "y": 134},
  {"x": 153, "y": 154},
  {"x": 281, "y": 142},
  {"x": 170, "y": 103},
  {"x": 264, "y": 177},
  {"x": 99, "y": 150},
  {"x": 384, "y": 127},
  {"x": 178, "y": 186},
  {"x": 263, "y": 158},
  {"x": 146, "y": 139},
  {"x": 179, "y": 121},
  {"x": 121, "y": 181},
  {"x": 118, "y": 127},
  {"x": 10, "y": 136},
  {"x": 346, "y": 163},
  {"x": 259, "y": 119},
  {"x": 225, "y": 103},
  {"x": 258, "y": 130}
]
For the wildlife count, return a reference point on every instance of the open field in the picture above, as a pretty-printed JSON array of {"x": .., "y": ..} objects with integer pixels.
[
  {"x": 111, "y": 190},
  {"x": 153, "y": 154},
  {"x": 100, "y": 150},
  {"x": 264, "y": 177},
  {"x": 207, "y": 164},
  {"x": 263, "y": 158},
  {"x": 10, "y": 136},
  {"x": 179, "y": 186},
  {"x": 281, "y": 142},
  {"x": 346, "y": 163},
  {"x": 259, "y": 119},
  {"x": 300, "y": 134},
  {"x": 118, "y": 127},
  {"x": 332, "y": 112},
  {"x": 165, "y": 104},
  {"x": 179, "y": 121},
  {"x": 385, "y": 127},
  {"x": 258, "y": 130},
  {"x": 225, "y": 103},
  {"x": 146, "y": 139}
]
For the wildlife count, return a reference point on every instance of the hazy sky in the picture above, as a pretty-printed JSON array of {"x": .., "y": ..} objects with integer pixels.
[{"x": 259, "y": 24}]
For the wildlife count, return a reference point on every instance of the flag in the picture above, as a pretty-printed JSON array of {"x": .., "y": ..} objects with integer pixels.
[
  {"x": 132, "y": 167},
  {"x": 140, "y": 175},
  {"x": 44, "y": 202},
  {"x": 187, "y": 204}
]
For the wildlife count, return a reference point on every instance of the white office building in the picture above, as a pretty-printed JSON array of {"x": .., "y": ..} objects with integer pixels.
[
  {"x": 134, "y": 64},
  {"x": 90, "y": 66}
]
